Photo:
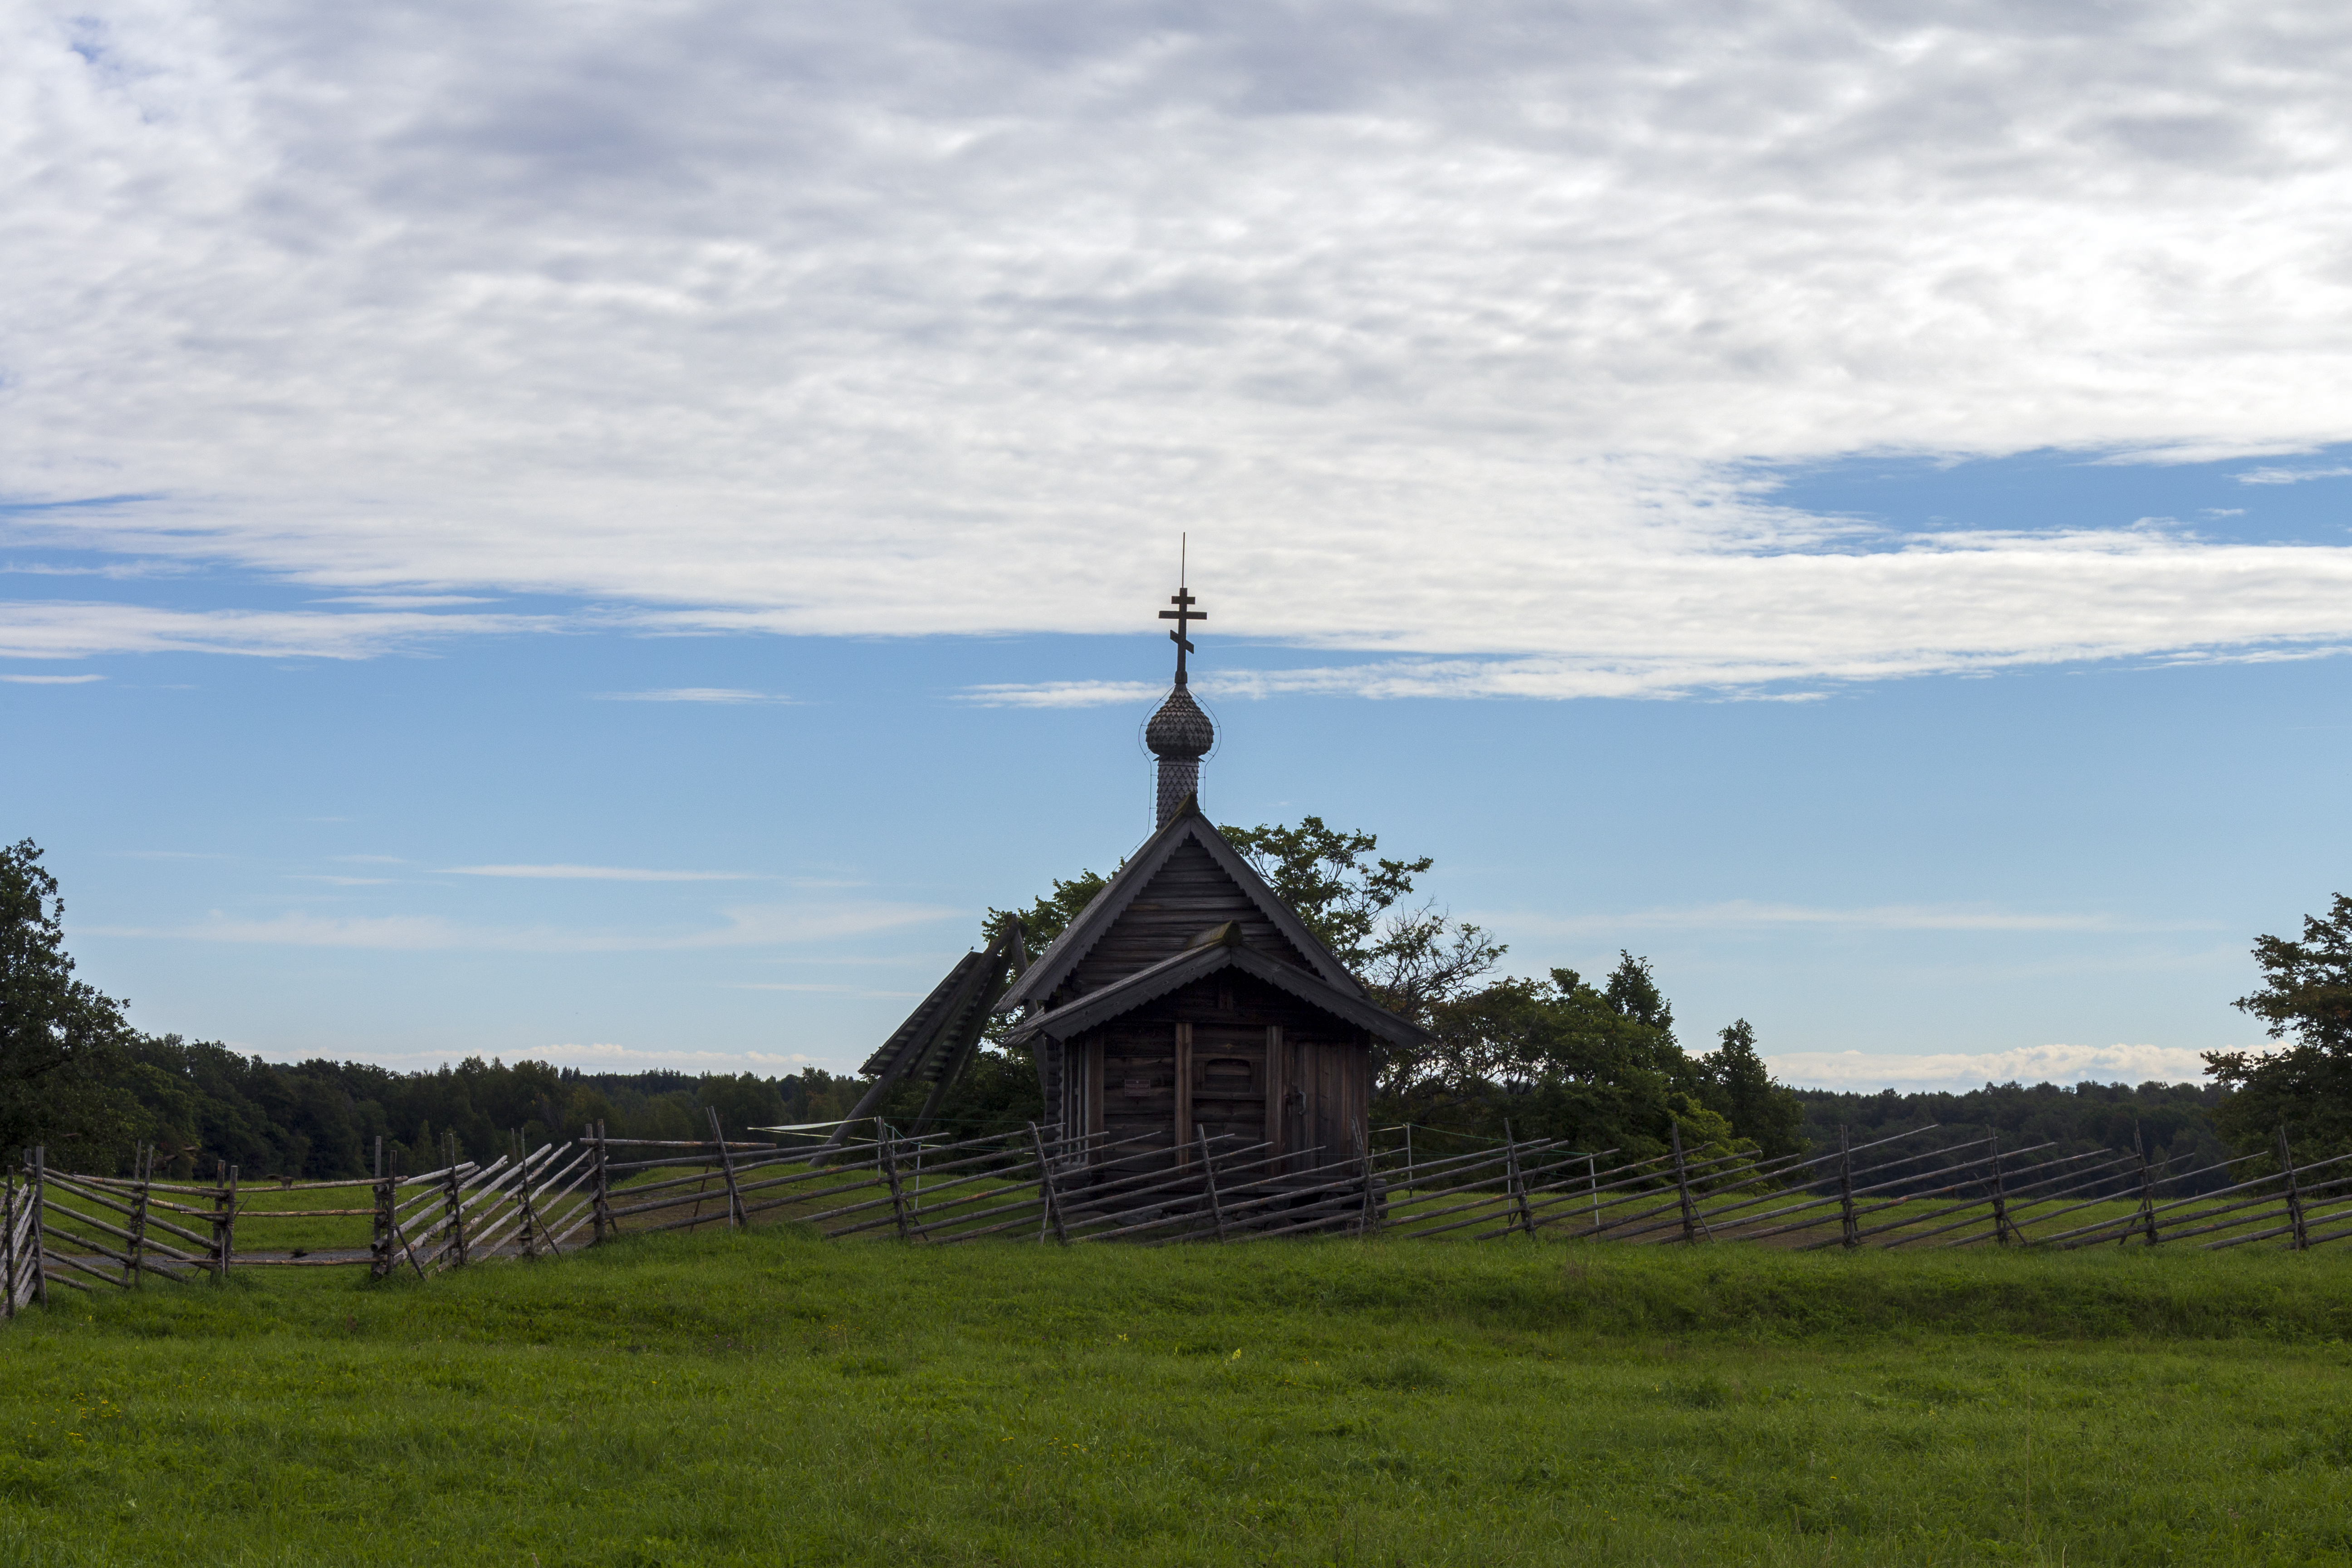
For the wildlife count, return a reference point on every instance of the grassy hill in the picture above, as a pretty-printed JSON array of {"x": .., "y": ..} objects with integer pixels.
[{"x": 762, "y": 1397}]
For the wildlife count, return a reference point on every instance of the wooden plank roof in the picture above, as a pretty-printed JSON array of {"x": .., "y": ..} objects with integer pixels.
[
  {"x": 1226, "y": 951},
  {"x": 1189, "y": 829}
]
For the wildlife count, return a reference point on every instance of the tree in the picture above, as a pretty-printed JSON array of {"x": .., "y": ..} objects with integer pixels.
[
  {"x": 60, "y": 1038},
  {"x": 1412, "y": 961},
  {"x": 1051, "y": 915},
  {"x": 1741, "y": 1087},
  {"x": 1558, "y": 1058},
  {"x": 2307, "y": 995},
  {"x": 1632, "y": 992}
]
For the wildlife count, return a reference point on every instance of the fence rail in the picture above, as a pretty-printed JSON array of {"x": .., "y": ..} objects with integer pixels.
[{"x": 86, "y": 1232}]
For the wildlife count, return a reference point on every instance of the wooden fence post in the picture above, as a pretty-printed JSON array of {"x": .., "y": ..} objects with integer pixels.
[
  {"x": 2146, "y": 1187},
  {"x": 9, "y": 1247},
  {"x": 2001, "y": 1226},
  {"x": 726, "y": 1163},
  {"x": 1209, "y": 1175},
  {"x": 898, "y": 1193},
  {"x": 1045, "y": 1188},
  {"x": 603, "y": 1225},
  {"x": 1682, "y": 1184},
  {"x": 454, "y": 1203},
  {"x": 1849, "y": 1226},
  {"x": 1516, "y": 1183},
  {"x": 2293, "y": 1193},
  {"x": 1408, "y": 1157},
  {"x": 528, "y": 1235},
  {"x": 380, "y": 1243},
  {"x": 142, "y": 1166},
  {"x": 1368, "y": 1217},
  {"x": 38, "y": 1195},
  {"x": 1593, "y": 1178}
]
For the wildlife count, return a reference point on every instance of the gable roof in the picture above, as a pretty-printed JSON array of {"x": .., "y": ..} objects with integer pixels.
[
  {"x": 1149, "y": 985},
  {"x": 1187, "y": 827}
]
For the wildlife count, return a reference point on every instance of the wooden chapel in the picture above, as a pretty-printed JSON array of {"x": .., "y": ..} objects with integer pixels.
[
  {"x": 1188, "y": 999},
  {"x": 1186, "y": 1007}
]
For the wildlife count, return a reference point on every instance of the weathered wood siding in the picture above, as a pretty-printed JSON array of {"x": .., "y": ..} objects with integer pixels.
[
  {"x": 1261, "y": 1063},
  {"x": 1184, "y": 898}
]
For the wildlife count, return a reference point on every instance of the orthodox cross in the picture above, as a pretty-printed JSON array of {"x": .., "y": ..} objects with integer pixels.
[{"x": 1183, "y": 615}]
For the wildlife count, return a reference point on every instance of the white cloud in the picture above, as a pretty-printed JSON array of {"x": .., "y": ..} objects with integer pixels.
[
  {"x": 2289, "y": 476},
  {"x": 50, "y": 679},
  {"x": 406, "y": 601},
  {"x": 613, "y": 1057},
  {"x": 1448, "y": 335},
  {"x": 1069, "y": 694},
  {"x": 719, "y": 694},
  {"x": 752, "y": 925},
  {"x": 1867, "y": 1071},
  {"x": 598, "y": 874},
  {"x": 55, "y": 629},
  {"x": 622, "y": 1058},
  {"x": 1741, "y": 914}
]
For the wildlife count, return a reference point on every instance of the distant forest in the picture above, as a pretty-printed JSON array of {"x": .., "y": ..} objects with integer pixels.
[
  {"x": 2174, "y": 1120},
  {"x": 1596, "y": 1064},
  {"x": 200, "y": 1102}
]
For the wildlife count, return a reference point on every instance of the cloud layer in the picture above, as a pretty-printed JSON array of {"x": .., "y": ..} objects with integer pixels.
[
  {"x": 749, "y": 925},
  {"x": 1871, "y": 1071},
  {"x": 1447, "y": 332}
]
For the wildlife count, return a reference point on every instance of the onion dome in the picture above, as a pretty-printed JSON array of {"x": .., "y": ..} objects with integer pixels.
[{"x": 1179, "y": 729}]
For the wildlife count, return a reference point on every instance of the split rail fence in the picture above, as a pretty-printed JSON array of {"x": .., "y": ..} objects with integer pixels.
[{"x": 85, "y": 1232}]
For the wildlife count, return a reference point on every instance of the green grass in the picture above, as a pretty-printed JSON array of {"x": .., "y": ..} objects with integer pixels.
[{"x": 767, "y": 1398}]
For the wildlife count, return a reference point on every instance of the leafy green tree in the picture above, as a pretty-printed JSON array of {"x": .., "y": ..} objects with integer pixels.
[
  {"x": 1633, "y": 993},
  {"x": 60, "y": 1038},
  {"x": 2305, "y": 999},
  {"x": 1413, "y": 960},
  {"x": 1051, "y": 915},
  {"x": 1556, "y": 1058},
  {"x": 1741, "y": 1087}
]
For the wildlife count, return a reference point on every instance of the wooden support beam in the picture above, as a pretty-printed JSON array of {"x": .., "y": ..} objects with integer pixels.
[
  {"x": 1277, "y": 1087},
  {"x": 1045, "y": 1188},
  {"x": 1516, "y": 1184},
  {"x": 898, "y": 1190},
  {"x": 1682, "y": 1184},
  {"x": 726, "y": 1163},
  {"x": 1849, "y": 1225},
  {"x": 2294, "y": 1193},
  {"x": 1209, "y": 1178},
  {"x": 1184, "y": 1093}
]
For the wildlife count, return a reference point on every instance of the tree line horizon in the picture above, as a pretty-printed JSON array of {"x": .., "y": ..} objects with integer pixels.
[{"x": 1557, "y": 1055}]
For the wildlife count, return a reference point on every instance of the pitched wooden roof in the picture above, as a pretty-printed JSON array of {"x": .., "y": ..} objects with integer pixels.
[
  {"x": 1185, "y": 880},
  {"x": 1226, "y": 952}
]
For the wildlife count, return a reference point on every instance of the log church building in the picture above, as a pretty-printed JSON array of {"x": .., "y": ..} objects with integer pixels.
[{"x": 1186, "y": 1006}]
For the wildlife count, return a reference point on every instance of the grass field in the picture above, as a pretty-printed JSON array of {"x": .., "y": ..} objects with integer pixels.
[{"x": 764, "y": 1397}]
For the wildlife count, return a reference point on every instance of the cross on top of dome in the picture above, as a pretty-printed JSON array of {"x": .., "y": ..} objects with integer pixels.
[{"x": 1183, "y": 615}]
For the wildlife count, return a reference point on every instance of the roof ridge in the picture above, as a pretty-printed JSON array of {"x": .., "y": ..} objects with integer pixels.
[{"x": 1103, "y": 910}]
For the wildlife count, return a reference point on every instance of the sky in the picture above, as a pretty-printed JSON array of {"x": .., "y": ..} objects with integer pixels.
[{"x": 613, "y": 534}]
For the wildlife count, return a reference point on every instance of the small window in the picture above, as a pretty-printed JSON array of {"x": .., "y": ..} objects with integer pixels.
[{"x": 1229, "y": 1075}]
